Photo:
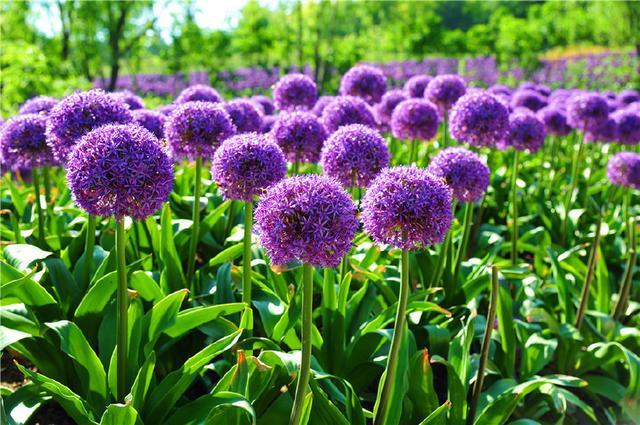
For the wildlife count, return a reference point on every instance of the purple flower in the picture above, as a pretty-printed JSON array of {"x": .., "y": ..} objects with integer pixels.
[
  {"x": 627, "y": 126},
  {"x": 345, "y": 110},
  {"x": 526, "y": 132},
  {"x": 244, "y": 115},
  {"x": 623, "y": 169},
  {"x": 606, "y": 131},
  {"x": 463, "y": 171},
  {"x": 354, "y": 155},
  {"x": 364, "y": 81},
  {"x": 153, "y": 121},
  {"x": 322, "y": 102},
  {"x": 38, "y": 104},
  {"x": 415, "y": 86},
  {"x": 388, "y": 103},
  {"x": 479, "y": 119},
  {"x": 407, "y": 207},
  {"x": 23, "y": 142},
  {"x": 587, "y": 111},
  {"x": 300, "y": 135},
  {"x": 528, "y": 98},
  {"x": 167, "y": 109},
  {"x": 199, "y": 92},
  {"x": 265, "y": 103},
  {"x": 267, "y": 123},
  {"x": 499, "y": 89},
  {"x": 120, "y": 170},
  {"x": 308, "y": 218},
  {"x": 196, "y": 129},
  {"x": 554, "y": 120},
  {"x": 78, "y": 114},
  {"x": 295, "y": 92},
  {"x": 445, "y": 90},
  {"x": 129, "y": 98},
  {"x": 626, "y": 97},
  {"x": 246, "y": 164},
  {"x": 415, "y": 119}
]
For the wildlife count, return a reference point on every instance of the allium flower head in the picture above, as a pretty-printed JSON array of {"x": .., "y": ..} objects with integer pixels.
[
  {"x": 500, "y": 89},
  {"x": 627, "y": 126},
  {"x": 129, "y": 98},
  {"x": 415, "y": 86},
  {"x": 295, "y": 92},
  {"x": 23, "y": 142},
  {"x": 267, "y": 123},
  {"x": 463, "y": 171},
  {"x": 38, "y": 104},
  {"x": 153, "y": 121},
  {"x": 445, "y": 90},
  {"x": 196, "y": 129},
  {"x": 479, "y": 119},
  {"x": 322, "y": 102},
  {"x": 354, "y": 155},
  {"x": 606, "y": 131},
  {"x": 554, "y": 120},
  {"x": 120, "y": 170},
  {"x": 199, "y": 92},
  {"x": 244, "y": 115},
  {"x": 415, "y": 119},
  {"x": 526, "y": 132},
  {"x": 246, "y": 164},
  {"x": 529, "y": 99},
  {"x": 300, "y": 135},
  {"x": 78, "y": 114},
  {"x": 345, "y": 110},
  {"x": 167, "y": 109},
  {"x": 388, "y": 103},
  {"x": 407, "y": 207},
  {"x": 626, "y": 97},
  {"x": 623, "y": 169},
  {"x": 587, "y": 111},
  {"x": 308, "y": 218},
  {"x": 364, "y": 81},
  {"x": 265, "y": 103}
]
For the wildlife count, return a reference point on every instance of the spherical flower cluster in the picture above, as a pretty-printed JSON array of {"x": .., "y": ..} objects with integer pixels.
[
  {"x": 463, "y": 171},
  {"x": 407, "y": 207},
  {"x": 388, "y": 103},
  {"x": 606, "y": 131},
  {"x": 528, "y": 98},
  {"x": 479, "y": 119},
  {"x": 153, "y": 121},
  {"x": 246, "y": 164},
  {"x": 267, "y": 123},
  {"x": 445, "y": 90},
  {"x": 300, "y": 135},
  {"x": 587, "y": 111},
  {"x": 120, "y": 170},
  {"x": 500, "y": 89},
  {"x": 23, "y": 142},
  {"x": 167, "y": 109},
  {"x": 415, "y": 86},
  {"x": 265, "y": 103},
  {"x": 554, "y": 120},
  {"x": 244, "y": 115},
  {"x": 345, "y": 110},
  {"x": 354, "y": 155},
  {"x": 627, "y": 97},
  {"x": 364, "y": 81},
  {"x": 196, "y": 129},
  {"x": 199, "y": 92},
  {"x": 623, "y": 169},
  {"x": 38, "y": 104},
  {"x": 78, "y": 114},
  {"x": 627, "y": 126},
  {"x": 295, "y": 92},
  {"x": 308, "y": 218},
  {"x": 526, "y": 132},
  {"x": 129, "y": 98},
  {"x": 322, "y": 102},
  {"x": 415, "y": 119}
]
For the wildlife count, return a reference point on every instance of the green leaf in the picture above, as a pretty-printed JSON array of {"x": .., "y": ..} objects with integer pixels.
[
  {"x": 24, "y": 289},
  {"x": 457, "y": 393},
  {"x": 438, "y": 416},
  {"x": 421, "y": 392},
  {"x": 459, "y": 353},
  {"x": 400, "y": 385},
  {"x": 602, "y": 353},
  {"x": 148, "y": 289},
  {"x": 66, "y": 287},
  {"x": 211, "y": 409},
  {"x": 92, "y": 307},
  {"x": 172, "y": 277},
  {"x": 504, "y": 312},
  {"x": 8, "y": 336},
  {"x": 22, "y": 403},
  {"x": 142, "y": 382},
  {"x": 228, "y": 254},
  {"x": 197, "y": 316},
  {"x": 537, "y": 353},
  {"x": 24, "y": 256},
  {"x": 323, "y": 411},
  {"x": 120, "y": 414},
  {"x": 162, "y": 316}
]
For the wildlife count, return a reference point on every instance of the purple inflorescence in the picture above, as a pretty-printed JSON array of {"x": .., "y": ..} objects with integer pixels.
[
  {"x": 322, "y": 102},
  {"x": 265, "y": 103},
  {"x": 587, "y": 111},
  {"x": 244, "y": 115},
  {"x": 623, "y": 169},
  {"x": 463, "y": 171},
  {"x": 38, "y": 104},
  {"x": 167, "y": 109},
  {"x": 308, "y": 218},
  {"x": 354, "y": 155},
  {"x": 528, "y": 98},
  {"x": 526, "y": 132},
  {"x": 364, "y": 81},
  {"x": 627, "y": 126},
  {"x": 479, "y": 119},
  {"x": 415, "y": 86},
  {"x": 345, "y": 110},
  {"x": 415, "y": 119},
  {"x": 78, "y": 114},
  {"x": 606, "y": 131},
  {"x": 627, "y": 97},
  {"x": 407, "y": 207},
  {"x": 120, "y": 170},
  {"x": 554, "y": 120},
  {"x": 196, "y": 129},
  {"x": 295, "y": 92},
  {"x": 388, "y": 103},
  {"x": 267, "y": 123},
  {"x": 499, "y": 89},
  {"x": 246, "y": 164},
  {"x": 23, "y": 142},
  {"x": 199, "y": 92},
  {"x": 445, "y": 90},
  {"x": 153, "y": 121},
  {"x": 300, "y": 135},
  {"x": 129, "y": 98}
]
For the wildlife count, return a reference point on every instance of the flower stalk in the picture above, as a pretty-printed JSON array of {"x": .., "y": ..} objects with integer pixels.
[
  {"x": 584, "y": 297},
  {"x": 122, "y": 319},
  {"x": 514, "y": 208},
  {"x": 195, "y": 227}
]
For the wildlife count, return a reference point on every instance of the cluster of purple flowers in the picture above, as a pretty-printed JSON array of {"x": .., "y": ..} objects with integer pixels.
[
  {"x": 624, "y": 169},
  {"x": 479, "y": 119},
  {"x": 364, "y": 81},
  {"x": 244, "y": 115},
  {"x": 295, "y": 91},
  {"x": 463, "y": 171},
  {"x": 300, "y": 135},
  {"x": 345, "y": 110},
  {"x": 415, "y": 119},
  {"x": 23, "y": 142}
]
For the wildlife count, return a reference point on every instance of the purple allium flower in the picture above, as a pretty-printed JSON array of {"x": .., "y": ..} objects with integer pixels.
[
  {"x": 587, "y": 111},
  {"x": 120, "y": 170},
  {"x": 364, "y": 81},
  {"x": 308, "y": 218},
  {"x": 167, "y": 109},
  {"x": 415, "y": 119},
  {"x": 415, "y": 86},
  {"x": 199, "y": 92},
  {"x": 627, "y": 126},
  {"x": 555, "y": 120},
  {"x": 38, "y": 104},
  {"x": 479, "y": 119},
  {"x": 78, "y": 114},
  {"x": 153, "y": 121},
  {"x": 497, "y": 89},
  {"x": 626, "y": 97},
  {"x": 529, "y": 99},
  {"x": 265, "y": 102},
  {"x": 295, "y": 92},
  {"x": 246, "y": 164},
  {"x": 129, "y": 98},
  {"x": 526, "y": 132},
  {"x": 463, "y": 171},
  {"x": 322, "y": 102},
  {"x": 388, "y": 103},
  {"x": 345, "y": 110},
  {"x": 354, "y": 155},
  {"x": 606, "y": 131},
  {"x": 244, "y": 115},
  {"x": 23, "y": 142},
  {"x": 623, "y": 169},
  {"x": 407, "y": 207},
  {"x": 267, "y": 123},
  {"x": 445, "y": 90},
  {"x": 300, "y": 135},
  {"x": 196, "y": 129}
]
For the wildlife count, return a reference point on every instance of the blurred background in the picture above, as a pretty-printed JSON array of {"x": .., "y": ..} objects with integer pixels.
[{"x": 157, "y": 48}]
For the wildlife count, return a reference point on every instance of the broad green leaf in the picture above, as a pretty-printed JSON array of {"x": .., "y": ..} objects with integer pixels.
[
  {"x": 22, "y": 403},
  {"x": 142, "y": 382},
  {"x": 438, "y": 416},
  {"x": 120, "y": 414},
  {"x": 457, "y": 394},
  {"x": 212, "y": 409},
  {"x": 92, "y": 307},
  {"x": 504, "y": 313},
  {"x": 172, "y": 277},
  {"x": 25, "y": 289},
  {"x": 162, "y": 316},
  {"x": 421, "y": 392},
  {"x": 398, "y": 387},
  {"x": 196, "y": 316},
  {"x": 602, "y": 353},
  {"x": 537, "y": 354},
  {"x": 8, "y": 336},
  {"x": 228, "y": 254},
  {"x": 148, "y": 289},
  {"x": 24, "y": 256},
  {"x": 459, "y": 353},
  {"x": 323, "y": 411}
]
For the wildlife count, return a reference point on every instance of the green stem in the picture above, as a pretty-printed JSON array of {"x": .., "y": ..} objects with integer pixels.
[
  {"x": 36, "y": 189},
  {"x": 413, "y": 151},
  {"x": 572, "y": 187},
  {"x": 514, "y": 209},
  {"x": 445, "y": 250},
  {"x": 584, "y": 297},
  {"x": 246, "y": 260},
  {"x": 396, "y": 342},
  {"x": 89, "y": 244},
  {"x": 462, "y": 248},
  {"x": 445, "y": 129},
  {"x": 195, "y": 227},
  {"x": 305, "y": 361},
  {"x": 230, "y": 219},
  {"x": 122, "y": 301},
  {"x": 627, "y": 278},
  {"x": 47, "y": 185}
]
